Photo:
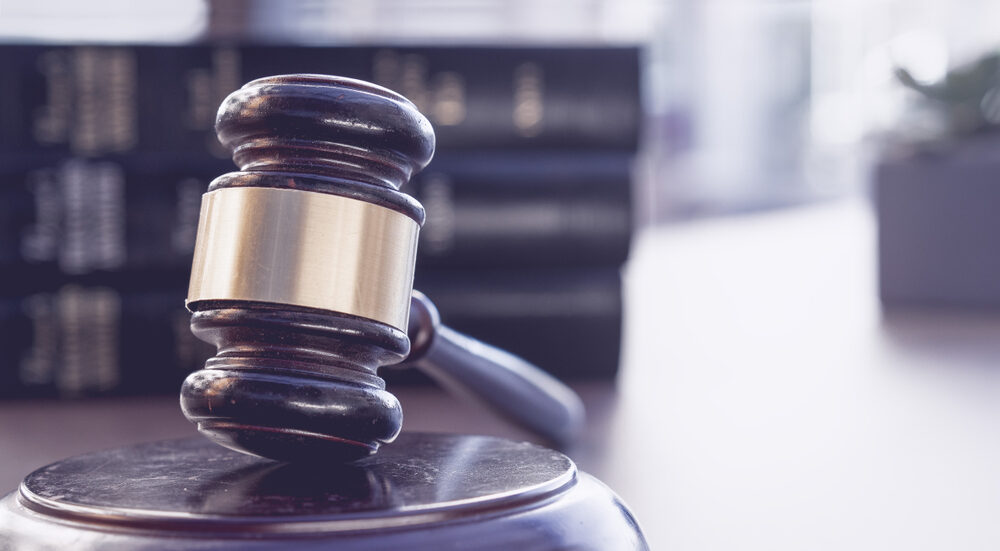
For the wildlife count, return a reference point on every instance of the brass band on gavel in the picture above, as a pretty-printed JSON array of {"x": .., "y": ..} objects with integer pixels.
[{"x": 301, "y": 248}]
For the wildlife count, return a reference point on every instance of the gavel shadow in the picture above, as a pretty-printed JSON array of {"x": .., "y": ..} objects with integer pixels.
[
  {"x": 392, "y": 481},
  {"x": 267, "y": 488}
]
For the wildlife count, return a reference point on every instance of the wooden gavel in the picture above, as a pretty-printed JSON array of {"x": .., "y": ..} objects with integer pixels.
[{"x": 303, "y": 280}]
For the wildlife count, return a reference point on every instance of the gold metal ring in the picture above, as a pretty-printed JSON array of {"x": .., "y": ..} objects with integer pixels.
[{"x": 304, "y": 248}]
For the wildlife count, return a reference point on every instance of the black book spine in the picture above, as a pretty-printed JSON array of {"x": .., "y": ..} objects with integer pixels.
[
  {"x": 125, "y": 222},
  {"x": 83, "y": 340},
  {"x": 94, "y": 340},
  {"x": 99, "y": 100},
  {"x": 537, "y": 211},
  {"x": 135, "y": 216},
  {"x": 568, "y": 322}
]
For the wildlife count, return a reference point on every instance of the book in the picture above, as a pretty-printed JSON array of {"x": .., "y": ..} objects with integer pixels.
[
  {"x": 135, "y": 217},
  {"x": 566, "y": 321},
  {"x": 98, "y": 340},
  {"x": 79, "y": 341},
  {"x": 129, "y": 222},
  {"x": 105, "y": 152},
  {"x": 526, "y": 210},
  {"x": 92, "y": 101}
]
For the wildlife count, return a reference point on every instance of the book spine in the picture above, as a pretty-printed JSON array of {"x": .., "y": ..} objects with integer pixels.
[
  {"x": 91, "y": 101},
  {"x": 107, "y": 219},
  {"x": 99, "y": 221},
  {"x": 94, "y": 340},
  {"x": 568, "y": 322},
  {"x": 537, "y": 211},
  {"x": 81, "y": 340}
]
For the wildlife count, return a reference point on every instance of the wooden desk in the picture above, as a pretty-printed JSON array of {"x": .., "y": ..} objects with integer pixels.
[{"x": 765, "y": 402}]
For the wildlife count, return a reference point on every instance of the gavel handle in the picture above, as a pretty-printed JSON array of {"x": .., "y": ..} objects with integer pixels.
[{"x": 511, "y": 386}]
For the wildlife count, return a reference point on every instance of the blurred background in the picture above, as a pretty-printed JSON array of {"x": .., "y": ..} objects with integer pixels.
[{"x": 758, "y": 236}]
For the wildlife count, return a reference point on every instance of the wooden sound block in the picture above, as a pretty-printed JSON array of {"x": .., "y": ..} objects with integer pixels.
[{"x": 424, "y": 491}]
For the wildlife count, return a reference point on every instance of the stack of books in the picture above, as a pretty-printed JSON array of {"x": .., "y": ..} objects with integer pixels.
[{"x": 105, "y": 152}]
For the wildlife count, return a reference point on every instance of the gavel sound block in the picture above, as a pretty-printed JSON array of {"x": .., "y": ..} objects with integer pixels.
[
  {"x": 423, "y": 492},
  {"x": 303, "y": 280}
]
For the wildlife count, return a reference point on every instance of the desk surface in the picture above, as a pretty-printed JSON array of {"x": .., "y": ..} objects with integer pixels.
[{"x": 765, "y": 401}]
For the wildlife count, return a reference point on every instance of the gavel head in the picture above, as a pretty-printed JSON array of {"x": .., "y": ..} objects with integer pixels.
[{"x": 303, "y": 268}]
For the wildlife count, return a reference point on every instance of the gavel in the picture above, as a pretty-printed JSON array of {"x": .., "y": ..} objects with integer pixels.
[{"x": 303, "y": 280}]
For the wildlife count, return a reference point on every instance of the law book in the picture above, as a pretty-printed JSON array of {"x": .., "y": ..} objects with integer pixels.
[
  {"x": 127, "y": 220},
  {"x": 566, "y": 321},
  {"x": 105, "y": 152},
  {"x": 136, "y": 216},
  {"x": 80, "y": 340},
  {"x": 92, "y": 101},
  {"x": 529, "y": 210}
]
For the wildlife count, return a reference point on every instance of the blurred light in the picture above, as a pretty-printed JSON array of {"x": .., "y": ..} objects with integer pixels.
[
  {"x": 104, "y": 21},
  {"x": 466, "y": 21}
]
